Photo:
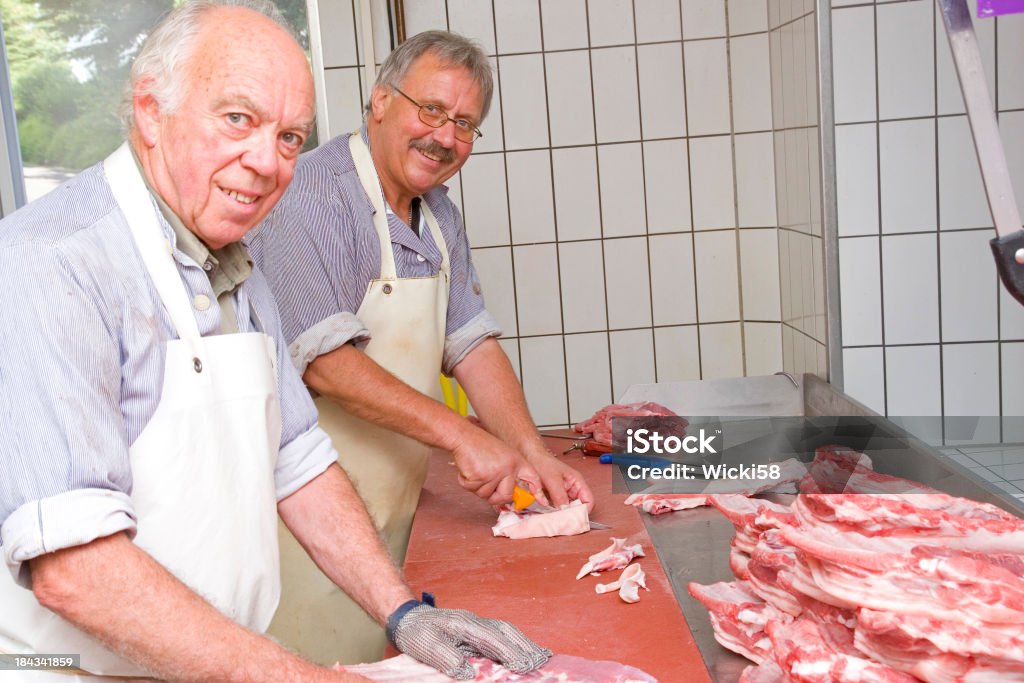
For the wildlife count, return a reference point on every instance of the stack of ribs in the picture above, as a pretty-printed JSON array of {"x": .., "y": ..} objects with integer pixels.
[{"x": 888, "y": 582}]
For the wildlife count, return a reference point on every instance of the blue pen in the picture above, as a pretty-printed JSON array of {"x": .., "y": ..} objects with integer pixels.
[{"x": 624, "y": 459}]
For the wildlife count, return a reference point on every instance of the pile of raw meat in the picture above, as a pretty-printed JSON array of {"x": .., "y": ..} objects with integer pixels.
[
  {"x": 600, "y": 423},
  {"x": 887, "y": 581},
  {"x": 559, "y": 669}
]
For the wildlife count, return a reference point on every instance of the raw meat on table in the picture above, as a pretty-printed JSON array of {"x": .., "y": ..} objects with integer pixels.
[
  {"x": 600, "y": 423},
  {"x": 615, "y": 556},
  {"x": 629, "y": 583},
  {"x": 570, "y": 520},
  {"x": 559, "y": 669},
  {"x": 738, "y": 617}
]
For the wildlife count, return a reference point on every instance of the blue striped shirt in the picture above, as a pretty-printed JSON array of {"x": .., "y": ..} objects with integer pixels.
[
  {"x": 82, "y": 342},
  {"x": 319, "y": 251}
]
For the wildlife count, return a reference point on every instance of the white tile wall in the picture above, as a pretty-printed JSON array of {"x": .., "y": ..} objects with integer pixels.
[
  {"x": 577, "y": 206},
  {"x": 570, "y": 103},
  {"x": 657, "y": 20},
  {"x": 1010, "y": 56},
  {"x": 703, "y": 18},
  {"x": 929, "y": 184},
  {"x": 582, "y": 276},
  {"x": 751, "y": 83},
  {"x": 747, "y": 16},
  {"x": 537, "y": 294},
  {"x": 578, "y": 199},
  {"x": 522, "y": 87},
  {"x": 913, "y": 380},
  {"x": 907, "y": 156},
  {"x": 344, "y": 100},
  {"x": 861, "y": 288},
  {"x": 662, "y": 109},
  {"x": 611, "y": 22},
  {"x": 853, "y": 65},
  {"x": 968, "y": 287},
  {"x": 620, "y": 168},
  {"x": 759, "y": 273},
  {"x": 962, "y": 202},
  {"x": 678, "y": 357},
  {"x": 627, "y": 280},
  {"x": 494, "y": 266},
  {"x": 970, "y": 377},
  {"x": 616, "y": 99},
  {"x": 589, "y": 374},
  {"x": 721, "y": 350},
  {"x": 543, "y": 375},
  {"x": 763, "y": 345},
  {"x": 755, "y": 180},
  {"x": 484, "y": 200},
  {"x": 707, "y": 86},
  {"x": 673, "y": 289},
  {"x": 565, "y": 24},
  {"x": 910, "y": 294},
  {"x": 711, "y": 181},
  {"x": 474, "y": 20},
  {"x": 531, "y": 204},
  {"x": 632, "y": 354},
  {"x": 341, "y": 50},
  {"x": 517, "y": 25},
  {"x": 717, "y": 276},
  {"x": 906, "y": 44},
  {"x": 864, "y": 376},
  {"x": 667, "y": 183}
]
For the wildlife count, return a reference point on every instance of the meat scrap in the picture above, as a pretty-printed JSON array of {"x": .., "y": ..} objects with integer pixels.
[
  {"x": 615, "y": 556},
  {"x": 570, "y": 520},
  {"x": 600, "y": 423},
  {"x": 558, "y": 669},
  {"x": 629, "y": 583},
  {"x": 738, "y": 617}
]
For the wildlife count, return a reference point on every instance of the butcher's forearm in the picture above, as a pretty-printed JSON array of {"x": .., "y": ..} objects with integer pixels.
[
  {"x": 492, "y": 386},
  {"x": 329, "y": 519},
  {"x": 120, "y": 595},
  {"x": 365, "y": 389}
]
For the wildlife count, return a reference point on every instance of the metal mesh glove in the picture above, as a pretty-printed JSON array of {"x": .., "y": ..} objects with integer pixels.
[{"x": 443, "y": 638}]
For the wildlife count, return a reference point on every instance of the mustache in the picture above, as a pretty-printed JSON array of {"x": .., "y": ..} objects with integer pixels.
[{"x": 434, "y": 149}]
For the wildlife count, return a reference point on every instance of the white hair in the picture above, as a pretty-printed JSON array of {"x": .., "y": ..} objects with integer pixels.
[{"x": 159, "y": 66}]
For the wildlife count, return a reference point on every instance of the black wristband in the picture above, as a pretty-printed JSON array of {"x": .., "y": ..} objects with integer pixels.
[{"x": 399, "y": 614}]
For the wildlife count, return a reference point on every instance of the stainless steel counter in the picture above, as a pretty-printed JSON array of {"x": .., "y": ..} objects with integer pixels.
[{"x": 694, "y": 545}]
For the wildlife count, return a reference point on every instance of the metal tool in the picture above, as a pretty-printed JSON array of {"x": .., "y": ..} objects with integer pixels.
[
  {"x": 522, "y": 499},
  {"x": 1008, "y": 246}
]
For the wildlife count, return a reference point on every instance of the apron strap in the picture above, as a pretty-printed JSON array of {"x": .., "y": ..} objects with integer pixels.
[
  {"x": 371, "y": 185},
  {"x": 134, "y": 199}
]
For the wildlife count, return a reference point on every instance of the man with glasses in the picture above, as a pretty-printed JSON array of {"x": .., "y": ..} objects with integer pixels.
[{"x": 371, "y": 266}]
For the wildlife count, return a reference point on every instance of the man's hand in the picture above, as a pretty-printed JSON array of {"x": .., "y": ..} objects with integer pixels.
[
  {"x": 443, "y": 638},
  {"x": 490, "y": 468},
  {"x": 562, "y": 483}
]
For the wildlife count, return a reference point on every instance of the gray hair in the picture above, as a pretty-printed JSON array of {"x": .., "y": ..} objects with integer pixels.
[
  {"x": 169, "y": 47},
  {"x": 451, "y": 49}
]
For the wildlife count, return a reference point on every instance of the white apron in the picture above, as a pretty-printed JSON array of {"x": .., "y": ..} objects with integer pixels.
[
  {"x": 406, "y": 318},
  {"x": 202, "y": 469}
]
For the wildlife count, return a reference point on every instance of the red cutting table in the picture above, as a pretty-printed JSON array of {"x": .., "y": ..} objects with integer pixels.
[{"x": 532, "y": 582}]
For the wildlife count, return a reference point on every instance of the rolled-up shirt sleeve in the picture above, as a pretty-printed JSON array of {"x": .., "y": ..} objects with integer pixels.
[
  {"x": 66, "y": 474},
  {"x": 468, "y": 321},
  {"x": 326, "y": 336}
]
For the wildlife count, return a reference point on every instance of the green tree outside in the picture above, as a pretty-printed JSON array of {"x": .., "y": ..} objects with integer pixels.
[{"x": 69, "y": 61}]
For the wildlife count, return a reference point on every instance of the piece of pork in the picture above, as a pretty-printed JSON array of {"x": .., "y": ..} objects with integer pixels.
[
  {"x": 629, "y": 583},
  {"x": 615, "y": 556},
  {"x": 559, "y": 669},
  {"x": 570, "y": 520}
]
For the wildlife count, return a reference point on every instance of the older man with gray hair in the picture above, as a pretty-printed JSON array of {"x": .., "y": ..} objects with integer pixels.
[
  {"x": 370, "y": 263},
  {"x": 153, "y": 424}
]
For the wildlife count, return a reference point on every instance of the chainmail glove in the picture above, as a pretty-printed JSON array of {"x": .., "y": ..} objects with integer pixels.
[{"x": 444, "y": 638}]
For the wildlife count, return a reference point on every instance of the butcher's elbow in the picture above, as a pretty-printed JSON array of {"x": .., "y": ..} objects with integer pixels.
[{"x": 54, "y": 588}]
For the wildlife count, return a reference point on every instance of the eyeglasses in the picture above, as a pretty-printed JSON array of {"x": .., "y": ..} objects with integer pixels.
[{"x": 435, "y": 117}]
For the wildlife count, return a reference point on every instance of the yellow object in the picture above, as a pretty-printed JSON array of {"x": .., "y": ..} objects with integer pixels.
[
  {"x": 521, "y": 498},
  {"x": 454, "y": 397}
]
